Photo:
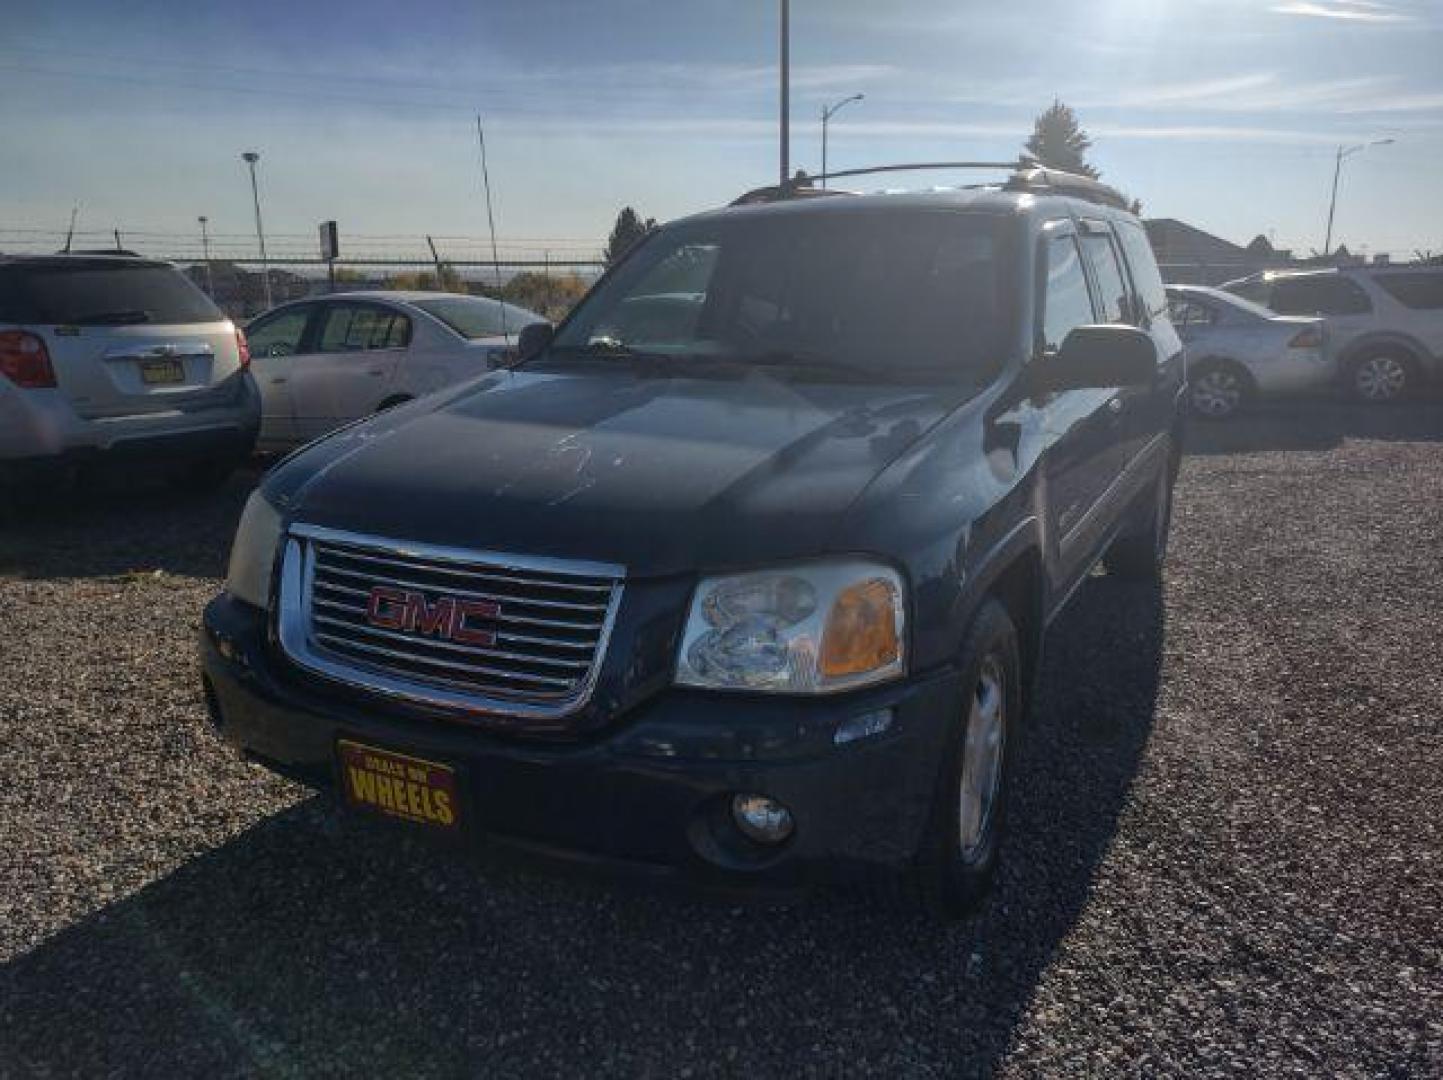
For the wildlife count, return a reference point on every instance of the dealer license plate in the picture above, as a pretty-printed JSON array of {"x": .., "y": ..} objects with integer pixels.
[{"x": 398, "y": 786}]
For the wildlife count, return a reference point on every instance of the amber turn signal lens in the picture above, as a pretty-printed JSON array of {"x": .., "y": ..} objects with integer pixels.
[{"x": 861, "y": 631}]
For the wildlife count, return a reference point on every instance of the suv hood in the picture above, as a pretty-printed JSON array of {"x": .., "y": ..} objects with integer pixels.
[{"x": 660, "y": 475}]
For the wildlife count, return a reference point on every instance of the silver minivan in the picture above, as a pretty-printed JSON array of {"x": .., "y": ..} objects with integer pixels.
[{"x": 113, "y": 359}]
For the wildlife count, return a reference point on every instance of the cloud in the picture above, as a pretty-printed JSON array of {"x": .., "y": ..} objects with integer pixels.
[{"x": 1366, "y": 11}]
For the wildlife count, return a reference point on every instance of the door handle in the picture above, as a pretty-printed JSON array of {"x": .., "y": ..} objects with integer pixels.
[
  {"x": 376, "y": 371},
  {"x": 278, "y": 378}
]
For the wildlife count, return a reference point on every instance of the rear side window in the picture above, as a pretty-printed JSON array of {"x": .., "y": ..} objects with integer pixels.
[
  {"x": 1112, "y": 287},
  {"x": 101, "y": 293},
  {"x": 476, "y": 317},
  {"x": 1067, "y": 304},
  {"x": 1146, "y": 277},
  {"x": 1319, "y": 296},
  {"x": 356, "y": 328},
  {"x": 1421, "y": 292}
]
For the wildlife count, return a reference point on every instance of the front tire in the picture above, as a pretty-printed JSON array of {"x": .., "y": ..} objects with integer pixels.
[
  {"x": 1378, "y": 378},
  {"x": 958, "y": 857}
]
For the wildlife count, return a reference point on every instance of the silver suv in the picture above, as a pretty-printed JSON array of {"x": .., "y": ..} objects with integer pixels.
[
  {"x": 1384, "y": 324},
  {"x": 108, "y": 358}
]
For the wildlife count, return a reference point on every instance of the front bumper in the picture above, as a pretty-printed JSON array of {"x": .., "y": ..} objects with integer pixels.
[{"x": 651, "y": 791}]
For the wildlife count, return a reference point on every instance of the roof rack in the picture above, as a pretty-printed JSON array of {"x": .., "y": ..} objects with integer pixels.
[{"x": 1027, "y": 175}]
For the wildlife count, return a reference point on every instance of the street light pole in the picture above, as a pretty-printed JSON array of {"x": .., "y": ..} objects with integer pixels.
[
  {"x": 1343, "y": 152},
  {"x": 205, "y": 253},
  {"x": 786, "y": 134},
  {"x": 828, "y": 111},
  {"x": 250, "y": 157}
]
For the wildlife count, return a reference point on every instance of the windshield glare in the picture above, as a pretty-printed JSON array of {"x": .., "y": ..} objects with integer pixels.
[{"x": 919, "y": 292}]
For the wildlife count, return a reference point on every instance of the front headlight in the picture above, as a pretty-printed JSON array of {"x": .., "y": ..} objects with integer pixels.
[
  {"x": 815, "y": 628},
  {"x": 253, "y": 555}
]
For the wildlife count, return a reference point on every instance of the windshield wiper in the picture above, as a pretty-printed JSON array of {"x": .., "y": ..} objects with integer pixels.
[
  {"x": 113, "y": 318},
  {"x": 795, "y": 358}
]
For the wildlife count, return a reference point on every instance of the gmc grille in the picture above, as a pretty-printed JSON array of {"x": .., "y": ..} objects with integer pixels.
[{"x": 532, "y": 652}]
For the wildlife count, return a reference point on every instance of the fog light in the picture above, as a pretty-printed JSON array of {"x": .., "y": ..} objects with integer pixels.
[{"x": 762, "y": 819}]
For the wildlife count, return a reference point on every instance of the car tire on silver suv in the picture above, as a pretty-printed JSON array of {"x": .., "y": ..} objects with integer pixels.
[
  {"x": 1381, "y": 376},
  {"x": 959, "y": 851}
]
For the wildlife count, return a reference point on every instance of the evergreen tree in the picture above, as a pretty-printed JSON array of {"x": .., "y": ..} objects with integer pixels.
[
  {"x": 1059, "y": 142},
  {"x": 629, "y": 228}
]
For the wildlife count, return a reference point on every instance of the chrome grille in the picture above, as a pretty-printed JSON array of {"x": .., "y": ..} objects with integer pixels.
[{"x": 535, "y": 635}]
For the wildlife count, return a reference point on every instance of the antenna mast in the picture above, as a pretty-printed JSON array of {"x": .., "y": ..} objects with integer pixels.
[{"x": 491, "y": 225}]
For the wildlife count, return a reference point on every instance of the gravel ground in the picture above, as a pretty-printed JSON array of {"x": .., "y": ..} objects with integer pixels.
[{"x": 1226, "y": 857}]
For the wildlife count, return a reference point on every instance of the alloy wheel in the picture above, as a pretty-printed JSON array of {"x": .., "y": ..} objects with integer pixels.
[
  {"x": 1217, "y": 392},
  {"x": 982, "y": 752},
  {"x": 1380, "y": 378}
]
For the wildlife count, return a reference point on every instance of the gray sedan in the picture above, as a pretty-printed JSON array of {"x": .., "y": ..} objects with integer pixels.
[{"x": 1238, "y": 350}]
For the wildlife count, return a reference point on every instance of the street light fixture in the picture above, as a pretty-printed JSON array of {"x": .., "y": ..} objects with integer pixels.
[
  {"x": 205, "y": 254},
  {"x": 1343, "y": 152},
  {"x": 250, "y": 157},
  {"x": 828, "y": 111}
]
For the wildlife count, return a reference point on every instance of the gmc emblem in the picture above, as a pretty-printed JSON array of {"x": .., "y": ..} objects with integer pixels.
[{"x": 445, "y": 617}]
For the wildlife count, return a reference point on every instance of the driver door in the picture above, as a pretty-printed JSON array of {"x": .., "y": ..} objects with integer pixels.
[{"x": 275, "y": 340}]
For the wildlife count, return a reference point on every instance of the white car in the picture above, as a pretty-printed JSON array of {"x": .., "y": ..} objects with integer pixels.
[
  {"x": 323, "y": 362},
  {"x": 114, "y": 359},
  {"x": 1385, "y": 323},
  {"x": 1237, "y": 350}
]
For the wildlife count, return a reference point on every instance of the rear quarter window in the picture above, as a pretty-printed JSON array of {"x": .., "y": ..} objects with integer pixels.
[
  {"x": 101, "y": 294},
  {"x": 1319, "y": 296},
  {"x": 1421, "y": 292}
]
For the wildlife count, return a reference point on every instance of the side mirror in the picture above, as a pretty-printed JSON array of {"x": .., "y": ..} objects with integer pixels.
[
  {"x": 1100, "y": 356},
  {"x": 533, "y": 339}
]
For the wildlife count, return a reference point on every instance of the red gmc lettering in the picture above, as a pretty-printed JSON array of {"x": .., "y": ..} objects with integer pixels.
[{"x": 445, "y": 617}]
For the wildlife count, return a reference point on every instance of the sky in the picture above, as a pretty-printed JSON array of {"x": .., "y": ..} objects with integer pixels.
[{"x": 1224, "y": 113}]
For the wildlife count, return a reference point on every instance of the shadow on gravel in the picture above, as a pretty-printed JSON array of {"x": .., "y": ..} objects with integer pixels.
[
  {"x": 116, "y": 526},
  {"x": 1320, "y": 424},
  {"x": 308, "y": 945}
]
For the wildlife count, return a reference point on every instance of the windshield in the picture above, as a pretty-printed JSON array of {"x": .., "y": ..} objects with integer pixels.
[
  {"x": 476, "y": 317},
  {"x": 905, "y": 292},
  {"x": 1242, "y": 303},
  {"x": 101, "y": 293}
]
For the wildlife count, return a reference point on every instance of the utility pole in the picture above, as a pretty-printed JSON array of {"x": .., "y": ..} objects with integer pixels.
[
  {"x": 786, "y": 134},
  {"x": 250, "y": 157},
  {"x": 205, "y": 254},
  {"x": 1343, "y": 152},
  {"x": 828, "y": 111}
]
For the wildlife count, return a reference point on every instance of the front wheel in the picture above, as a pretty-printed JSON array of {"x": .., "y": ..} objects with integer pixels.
[{"x": 959, "y": 853}]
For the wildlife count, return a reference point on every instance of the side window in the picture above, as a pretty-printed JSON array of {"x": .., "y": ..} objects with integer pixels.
[
  {"x": 1421, "y": 292},
  {"x": 1146, "y": 277},
  {"x": 1319, "y": 296},
  {"x": 1067, "y": 304},
  {"x": 360, "y": 327},
  {"x": 279, "y": 334},
  {"x": 1116, "y": 307},
  {"x": 1189, "y": 313}
]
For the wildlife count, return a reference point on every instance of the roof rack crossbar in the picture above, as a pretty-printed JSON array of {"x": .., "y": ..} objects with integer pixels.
[
  {"x": 1019, "y": 163},
  {"x": 1027, "y": 174}
]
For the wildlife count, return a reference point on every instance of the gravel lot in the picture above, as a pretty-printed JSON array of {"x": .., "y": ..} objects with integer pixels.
[{"x": 1226, "y": 858}]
